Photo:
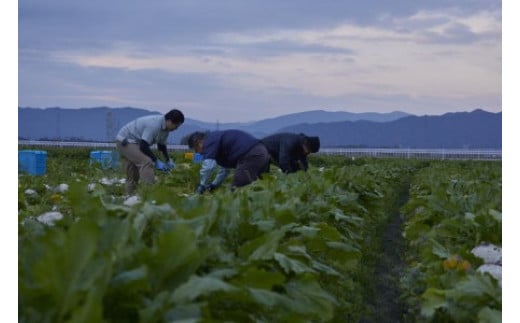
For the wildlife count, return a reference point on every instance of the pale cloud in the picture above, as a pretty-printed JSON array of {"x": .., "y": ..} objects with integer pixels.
[
  {"x": 399, "y": 59},
  {"x": 482, "y": 22}
]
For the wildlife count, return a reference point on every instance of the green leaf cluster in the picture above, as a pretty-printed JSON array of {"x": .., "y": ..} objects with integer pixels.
[
  {"x": 287, "y": 248},
  {"x": 453, "y": 207}
]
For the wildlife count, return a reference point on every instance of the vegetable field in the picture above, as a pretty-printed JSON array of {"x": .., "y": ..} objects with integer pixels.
[{"x": 361, "y": 240}]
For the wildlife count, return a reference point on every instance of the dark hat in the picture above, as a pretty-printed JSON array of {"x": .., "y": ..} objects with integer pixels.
[{"x": 313, "y": 143}]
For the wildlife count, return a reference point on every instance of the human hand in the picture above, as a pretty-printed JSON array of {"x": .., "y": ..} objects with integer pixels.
[
  {"x": 201, "y": 189},
  {"x": 171, "y": 164},
  {"x": 160, "y": 165}
]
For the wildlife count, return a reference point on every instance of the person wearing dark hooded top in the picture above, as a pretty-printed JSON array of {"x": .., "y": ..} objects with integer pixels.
[{"x": 289, "y": 151}]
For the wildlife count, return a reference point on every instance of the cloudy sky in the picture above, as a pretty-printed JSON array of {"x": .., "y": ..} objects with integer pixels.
[{"x": 236, "y": 60}]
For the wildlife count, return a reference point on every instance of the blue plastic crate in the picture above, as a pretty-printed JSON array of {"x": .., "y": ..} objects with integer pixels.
[
  {"x": 107, "y": 158},
  {"x": 33, "y": 162},
  {"x": 197, "y": 158}
]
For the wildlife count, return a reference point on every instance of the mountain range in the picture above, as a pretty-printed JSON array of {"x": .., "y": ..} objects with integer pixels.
[{"x": 476, "y": 129}]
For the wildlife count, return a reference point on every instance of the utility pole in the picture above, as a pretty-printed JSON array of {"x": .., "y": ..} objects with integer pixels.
[
  {"x": 109, "y": 123},
  {"x": 58, "y": 124}
]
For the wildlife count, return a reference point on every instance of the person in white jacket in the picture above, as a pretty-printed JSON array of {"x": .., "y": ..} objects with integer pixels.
[{"x": 133, "y": 142}]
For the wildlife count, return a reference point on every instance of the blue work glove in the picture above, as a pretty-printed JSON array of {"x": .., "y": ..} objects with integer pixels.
[
  {"x": 160, "y": 165},
  {"x": 171, "y": 164},
  {"x": 201, "y": 189}
]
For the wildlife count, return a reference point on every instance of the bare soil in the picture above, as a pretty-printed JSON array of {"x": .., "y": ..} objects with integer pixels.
[{"x": 384, "y": 301}]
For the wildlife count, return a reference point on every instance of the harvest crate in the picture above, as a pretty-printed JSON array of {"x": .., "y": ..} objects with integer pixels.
[
  {"x": 197, "y": 158},
  {"x": 107, "y": 158},
  {"x": 33, "y": 162}
]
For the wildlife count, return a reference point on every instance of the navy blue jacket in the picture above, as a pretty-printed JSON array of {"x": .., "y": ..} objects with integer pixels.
[{"x": 227, "y": 146}]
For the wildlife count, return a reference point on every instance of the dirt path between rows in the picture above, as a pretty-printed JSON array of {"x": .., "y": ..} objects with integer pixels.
[{"x": 385, "y": 302}]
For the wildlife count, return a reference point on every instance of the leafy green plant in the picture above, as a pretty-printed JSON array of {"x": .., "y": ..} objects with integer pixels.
[
  {"x": 453, "y": 207},
  {"x": 287, "y": 248}
]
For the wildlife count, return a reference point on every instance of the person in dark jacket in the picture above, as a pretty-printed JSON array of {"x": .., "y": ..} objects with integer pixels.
[
  {"x": 289, "y": 151},
  {"x": 229, "y": 149}
]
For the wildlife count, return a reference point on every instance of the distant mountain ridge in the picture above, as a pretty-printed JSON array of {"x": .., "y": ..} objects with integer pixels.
[
  {"x": 271, "y": 125},
  {"x": 103, "y": 123},
  {"x": 476, "y": 129},
  {"x": 335, "y": 129}
]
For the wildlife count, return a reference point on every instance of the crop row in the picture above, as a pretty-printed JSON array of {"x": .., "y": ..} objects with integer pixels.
[
  {"x": 453, "y": 211},
  {"x": 300, "y": 247}
]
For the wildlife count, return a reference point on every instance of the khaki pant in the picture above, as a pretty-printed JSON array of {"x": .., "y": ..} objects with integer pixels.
[{"x": 137, "y": 165}]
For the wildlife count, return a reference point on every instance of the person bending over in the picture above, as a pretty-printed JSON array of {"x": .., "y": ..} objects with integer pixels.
[
  {"x": 289, "y": 151},
  {"x": 229, "y": 149},
  {"x": 133, "y": 142}
]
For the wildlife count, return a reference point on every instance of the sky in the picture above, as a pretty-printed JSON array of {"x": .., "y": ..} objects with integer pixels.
[{"x": 238, "y": 61}]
